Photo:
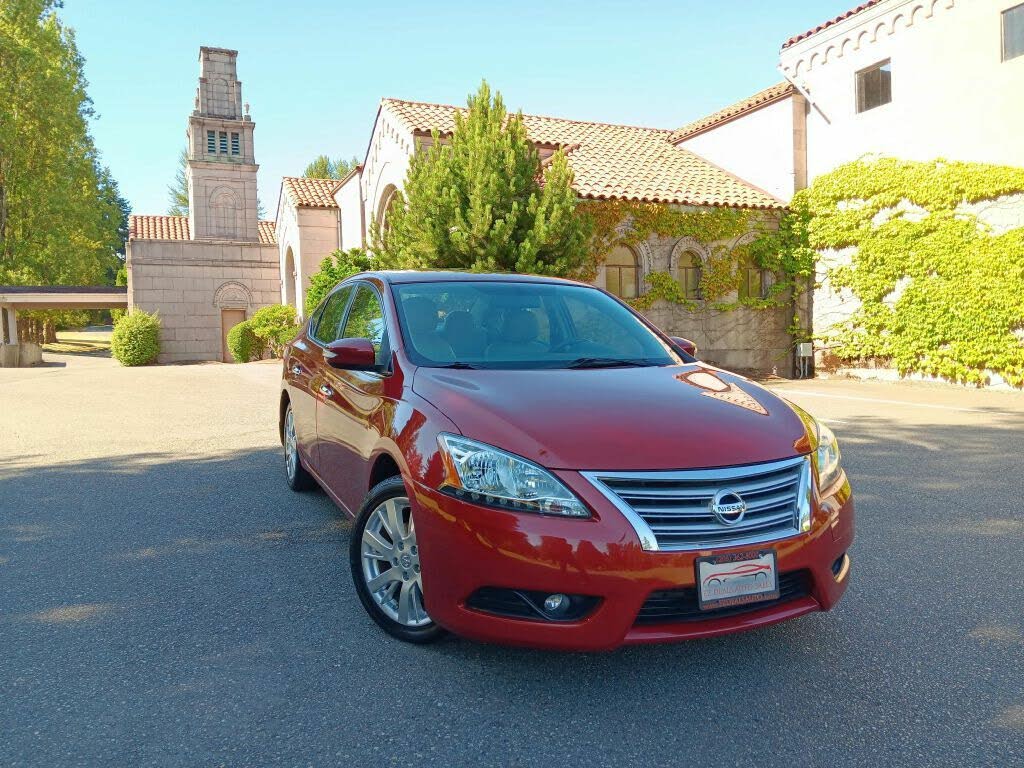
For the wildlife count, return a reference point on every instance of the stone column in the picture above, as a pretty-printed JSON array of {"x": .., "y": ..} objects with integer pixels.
[{"x": 8, "y": 337}]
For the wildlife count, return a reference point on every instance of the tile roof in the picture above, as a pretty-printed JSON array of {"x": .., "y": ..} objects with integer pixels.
[
  {"x": 176, "y": 228},
  {"x": 759, "y": 99},
  {"x": 158, "y": 227},
  {"x": 310, "y": 193},
  {"x": 824, "y": 25},
  {"x": 267, "y": 232},
  {"x": 619, "y": 162}
]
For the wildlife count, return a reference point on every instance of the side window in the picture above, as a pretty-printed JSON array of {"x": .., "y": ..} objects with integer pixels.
[
  {"x": 328, "y": 324},
  {"x": 366, "y": 321},
  {"x": 874, "y": 86}
]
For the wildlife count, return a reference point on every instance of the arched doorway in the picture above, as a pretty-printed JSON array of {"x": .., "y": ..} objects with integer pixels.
[
  {"x": 288, "y": 276},
  {"x": 387, "y": 199}
]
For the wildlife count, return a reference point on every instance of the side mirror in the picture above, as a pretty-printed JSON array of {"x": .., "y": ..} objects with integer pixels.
[
  {"x": 351, "y": 355},
  {"x": 685, "y": 344}
]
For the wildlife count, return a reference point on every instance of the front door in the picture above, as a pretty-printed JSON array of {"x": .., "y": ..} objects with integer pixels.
[
  {"x": 229, "y": 318},
  {"x": 347, "y": 410}
]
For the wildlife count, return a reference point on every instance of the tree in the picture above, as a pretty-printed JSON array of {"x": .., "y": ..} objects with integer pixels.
[
  {"x": 482, "y": 201},
  {"x": 324, "y": 167},
  {"x": 333, "y": 270},
  {"x": 177, "y": 192},
  {"x": 61, "y": 216}
]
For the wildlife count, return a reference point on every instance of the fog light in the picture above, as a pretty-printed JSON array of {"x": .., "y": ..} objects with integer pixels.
[{"x": 557, "y": 604}]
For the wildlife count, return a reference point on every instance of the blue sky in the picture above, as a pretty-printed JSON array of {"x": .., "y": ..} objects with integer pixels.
[{"x": 315, "y": 71}]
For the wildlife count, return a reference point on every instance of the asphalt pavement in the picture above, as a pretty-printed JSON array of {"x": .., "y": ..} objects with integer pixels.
[{"x": 165, "y": 600}]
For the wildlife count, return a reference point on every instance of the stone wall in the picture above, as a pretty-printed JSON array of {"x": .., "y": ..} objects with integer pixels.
[
  {"x": 190, "y": 283},
  {"x": 745, "y": 339}
]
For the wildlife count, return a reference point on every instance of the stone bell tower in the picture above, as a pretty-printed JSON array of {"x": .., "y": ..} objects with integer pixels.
[{"x": 221, "y": 163}]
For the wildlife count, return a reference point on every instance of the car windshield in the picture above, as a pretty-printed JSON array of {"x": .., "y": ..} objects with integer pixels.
[{"x": 493, "y": 324}]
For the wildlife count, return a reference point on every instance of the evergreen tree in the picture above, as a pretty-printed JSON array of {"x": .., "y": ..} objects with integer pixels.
[
  {"x": 62, "y": 220},
  {"x": 324, "y": 167},
  {"x": 177, "y": 193},
  {"x": 482, "y": 201}
]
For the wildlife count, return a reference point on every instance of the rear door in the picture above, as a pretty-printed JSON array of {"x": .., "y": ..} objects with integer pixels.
[
  {"x": 304, "y": 371},
  {"x": 348, "y": 415}
]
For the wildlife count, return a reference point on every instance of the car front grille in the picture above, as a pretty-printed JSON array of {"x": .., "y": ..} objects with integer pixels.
[
  {"x": 672, "y": 510},
  {"x": 670, "y": 605}
]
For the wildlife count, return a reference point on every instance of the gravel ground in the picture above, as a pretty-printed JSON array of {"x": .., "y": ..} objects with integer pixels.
[{"x": 165, "y": 600}]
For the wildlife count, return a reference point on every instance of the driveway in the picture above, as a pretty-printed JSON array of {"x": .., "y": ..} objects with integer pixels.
[{"x": 165, "y": 600}]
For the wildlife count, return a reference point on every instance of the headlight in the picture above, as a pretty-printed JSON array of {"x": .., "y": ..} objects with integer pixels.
[
  {"x": 483, "y": 474},
  {"x": 826, "y": 457}
]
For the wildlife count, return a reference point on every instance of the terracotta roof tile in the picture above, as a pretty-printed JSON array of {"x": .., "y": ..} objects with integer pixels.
[
  {"x": 176, "y": 228},
  {"x": 842, "y": 17},
  {"x": 310, "y": 193},
  {"x": 267, "y": 234},
  {"x": 158, "y": 227},
  {"x": 758, "y": 100},
  {"x": 614, "y": 161}
]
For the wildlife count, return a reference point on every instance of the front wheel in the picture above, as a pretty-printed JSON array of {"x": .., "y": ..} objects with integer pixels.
[{"x": 384, "y": 555}]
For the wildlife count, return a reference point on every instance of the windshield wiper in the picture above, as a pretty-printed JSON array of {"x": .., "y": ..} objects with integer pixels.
[
  {"x": 459, "y": 366},
  {"x": 606, "y": 362}
]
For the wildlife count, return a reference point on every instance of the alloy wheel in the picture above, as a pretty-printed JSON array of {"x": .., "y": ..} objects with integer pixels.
[
  {"x": 391, "y": 563},
  {"x": 291, "y": 447}
]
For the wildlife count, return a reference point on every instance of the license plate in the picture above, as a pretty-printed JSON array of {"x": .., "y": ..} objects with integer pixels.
[{"x": 736, "y": 579}]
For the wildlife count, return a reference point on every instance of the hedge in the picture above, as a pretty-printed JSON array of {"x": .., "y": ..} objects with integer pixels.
[
  {"x": 275, "y": 326},
  {"x": 136, "y": 338},
  {"x": 243, "y": 344}
]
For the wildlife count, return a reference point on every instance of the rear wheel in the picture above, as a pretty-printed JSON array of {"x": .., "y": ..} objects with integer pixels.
[
  {"x": 298, "y": 478},
  {"x": 384, "y": 556}
]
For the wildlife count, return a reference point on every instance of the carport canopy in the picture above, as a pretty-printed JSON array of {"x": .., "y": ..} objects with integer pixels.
[{"x": 15, "y": 297}]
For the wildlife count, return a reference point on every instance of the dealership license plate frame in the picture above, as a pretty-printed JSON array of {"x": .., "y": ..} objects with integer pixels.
[{"x": 733, "y": 559}]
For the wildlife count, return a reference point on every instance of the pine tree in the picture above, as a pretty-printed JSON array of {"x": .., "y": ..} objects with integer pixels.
[
  {"x": 481, "y": 201},
  {"x": 324, "y": 167},
  {"x": 177, "y": 193}
]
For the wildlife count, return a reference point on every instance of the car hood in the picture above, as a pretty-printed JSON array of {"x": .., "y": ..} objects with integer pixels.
[{"x": 672, "y": 417}]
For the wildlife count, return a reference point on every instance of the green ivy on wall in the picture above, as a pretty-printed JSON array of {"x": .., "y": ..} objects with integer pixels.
[
  {"x": 617, "y": 222},
  {"x": 940, "y": 293}
]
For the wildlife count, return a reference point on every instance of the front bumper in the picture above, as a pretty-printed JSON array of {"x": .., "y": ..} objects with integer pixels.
[{"x": 464, "y": 547}]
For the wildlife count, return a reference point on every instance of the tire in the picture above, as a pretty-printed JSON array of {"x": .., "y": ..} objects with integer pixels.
[
  {"x": 298, "y": 478},
  {"x": 383, "y": 551}
]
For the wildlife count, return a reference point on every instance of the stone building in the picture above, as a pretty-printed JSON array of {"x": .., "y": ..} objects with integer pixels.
[
  {"x": 206, "y": 272},
  {"x": 609, "y": 162}
]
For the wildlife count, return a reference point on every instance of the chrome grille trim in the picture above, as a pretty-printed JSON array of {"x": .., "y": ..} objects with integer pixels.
[{"x": 670, "y": 510}]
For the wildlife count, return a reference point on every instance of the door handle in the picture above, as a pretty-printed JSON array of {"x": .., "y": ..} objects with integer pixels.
[
  {"x": 326, "y": 391},
  {"x": 297, "y": 370}
]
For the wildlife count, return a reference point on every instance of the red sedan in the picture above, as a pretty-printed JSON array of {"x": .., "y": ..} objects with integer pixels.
[{"x": 528, "y": 460}]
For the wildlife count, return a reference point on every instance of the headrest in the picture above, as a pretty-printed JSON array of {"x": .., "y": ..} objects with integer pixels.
[
  {"x": 420, "y": 314},
  {"x": 520, "y": 325}
]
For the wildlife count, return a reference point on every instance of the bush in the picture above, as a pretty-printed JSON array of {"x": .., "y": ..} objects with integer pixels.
[
  {"x": 333, "y": 270},
  {"x": 243, "y": 344},
  {"x": 275, "y": 326},
  {"x": 136, "y": 338}
]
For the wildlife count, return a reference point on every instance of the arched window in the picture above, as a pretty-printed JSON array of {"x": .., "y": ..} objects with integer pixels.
[
  {"x": 689, "y": 269},
  {"x": 622, "y": 273},
  {"x": 223, "y": 208},
  {"x": 754, "y": 281}
]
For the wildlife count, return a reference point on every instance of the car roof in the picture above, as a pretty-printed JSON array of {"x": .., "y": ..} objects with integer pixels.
[{"x": 399, "y": 277}]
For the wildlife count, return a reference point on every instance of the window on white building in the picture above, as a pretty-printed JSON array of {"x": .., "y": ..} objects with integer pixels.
[
  {"x": 1013, "y": 32},
  {"x": 874, "y": 86}
]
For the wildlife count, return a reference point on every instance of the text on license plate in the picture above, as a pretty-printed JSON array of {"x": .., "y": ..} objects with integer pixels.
[{"x": 736, "y": 578}]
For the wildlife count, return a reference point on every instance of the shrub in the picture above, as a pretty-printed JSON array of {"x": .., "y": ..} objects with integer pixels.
[
  {"x": 333, "y": 270},
  {"x": 275, "y": 326},
  {"x": 243, "y": 344},
  {"x": 136, "y": 338}
]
